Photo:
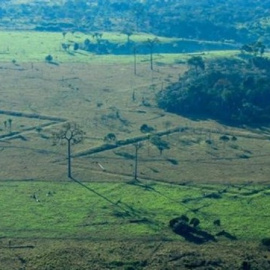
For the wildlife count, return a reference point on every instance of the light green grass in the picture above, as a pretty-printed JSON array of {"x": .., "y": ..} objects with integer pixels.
[
  {"x": 126, "y": 210},
  {"x": 26, "y": 46}
]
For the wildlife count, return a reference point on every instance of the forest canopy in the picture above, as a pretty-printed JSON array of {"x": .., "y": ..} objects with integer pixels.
[
  {"x": 216, "y": 20},
  {"x": 234, "y": 90}
]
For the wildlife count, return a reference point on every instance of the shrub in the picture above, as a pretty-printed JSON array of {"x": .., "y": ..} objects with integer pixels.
[
  {"x": 49, "y": 58},
  {"x": 146, "y": 129},
  {"x": 266, "y": 241},
  {"x": 110, "y": 137}
]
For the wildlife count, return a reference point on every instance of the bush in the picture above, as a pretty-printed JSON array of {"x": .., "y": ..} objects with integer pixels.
[
  {"x": 266, "y": 241},
  {"x": 224, "y": 138},
  {"x": 146, "y": 129},
  {"x": 49, "y": 58},
  {"x": 110, "y": 137}
]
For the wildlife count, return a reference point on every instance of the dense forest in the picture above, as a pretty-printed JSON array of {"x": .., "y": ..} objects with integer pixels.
[
  {"x": 226, "y": 20},
  {"x": 234, "y": 90}
]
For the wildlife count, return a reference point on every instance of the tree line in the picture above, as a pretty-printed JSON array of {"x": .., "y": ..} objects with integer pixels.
[{"x": 230, "y": 20}]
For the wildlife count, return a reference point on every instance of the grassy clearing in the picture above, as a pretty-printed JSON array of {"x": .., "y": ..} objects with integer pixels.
[
  {"x": 95, "y": 210},
  {"x": 102, "y": 94},
  {"x": 106, "y": 98},
  {"x": 33, "y": 47},
  {"x": 194, "y": 155}
]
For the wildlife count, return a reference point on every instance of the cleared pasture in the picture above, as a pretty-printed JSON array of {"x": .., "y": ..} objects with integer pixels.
[
  {"x": 130, "y": 210},
  {"x": 102, "y": 94}
]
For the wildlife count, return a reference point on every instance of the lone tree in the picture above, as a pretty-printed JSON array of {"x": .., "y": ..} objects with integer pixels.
[
  {"x": 151, "y": 43},
  {"x": 128, "y": 32},
  {"x": 197, "y": 62},
  {"x": 137, "y": 146},
  {"x": 10, "y": 125},
  {"x": 49, "y": 58},
  {"x": 110, "y": 138},
  {"x": 135, "y": 51},
  {"x": 72, "y": 134},
  {"x": 159, "y": 143}
]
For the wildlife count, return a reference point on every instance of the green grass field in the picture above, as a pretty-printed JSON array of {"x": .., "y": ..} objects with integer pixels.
[
  {"x": 23, "y": 46},
  {"x": 130, "y": 210},
  {"x": 35, "y": 46}
]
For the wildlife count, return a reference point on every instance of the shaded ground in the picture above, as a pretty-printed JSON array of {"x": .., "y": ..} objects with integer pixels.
[{"x": 125, "y": 254}]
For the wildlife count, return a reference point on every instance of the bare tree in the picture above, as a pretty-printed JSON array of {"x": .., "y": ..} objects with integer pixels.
[
  {"x": 135, "y": 50},
  {"x": 151, "y": 45},
  {"x": 137, "y": 146},
  {"x": 72, "y": 134},
  {"x": 128, "y": 31},
  {"x": 10, "y": 125}
]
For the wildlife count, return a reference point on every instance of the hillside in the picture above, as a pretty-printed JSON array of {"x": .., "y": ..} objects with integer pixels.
[
  {"x": 233, "y": 20},
  {"x": 142, "y": 186}
]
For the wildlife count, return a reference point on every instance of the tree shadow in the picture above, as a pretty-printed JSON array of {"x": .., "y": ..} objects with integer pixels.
[
  {"x": 227, "y": 235},
  {"x": 99, "y": 195},
  {"x": 191, "y": 234},
  {"x": 53, "y": 63},
  {"x": 150, "y": 188},
  {"x": 124, "y": 210},
  {"x": 138, "y": 183}
]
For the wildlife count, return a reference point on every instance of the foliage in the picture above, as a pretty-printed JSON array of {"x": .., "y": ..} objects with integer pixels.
[
  {"x": 197, "y": 62},
  {"x": 146, "y": 128},
  {"x": 48, "y": 58},
  {"x": 228, "y": 89},
  {"x": 254, "y": 48},
  {"x": 110, "y": 138},
  {"x": 159, "y": 143},
  {"x": 230, "y": 20},
  {"x": 69, "y": 132}
]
